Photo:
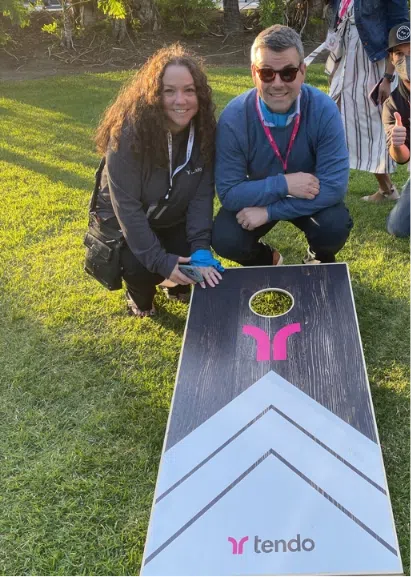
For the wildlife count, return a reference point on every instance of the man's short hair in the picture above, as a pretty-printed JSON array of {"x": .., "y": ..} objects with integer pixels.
[{"x": 278, "y": 38}]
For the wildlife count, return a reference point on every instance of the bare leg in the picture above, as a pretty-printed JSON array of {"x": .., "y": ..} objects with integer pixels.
[
  {"x": 386, "y": 190},
  {"x": 385, "y": 182}
]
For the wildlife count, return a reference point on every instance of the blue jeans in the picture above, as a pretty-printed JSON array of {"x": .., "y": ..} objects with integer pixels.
[
  {"x": 398, "y": 222},
  {"x": 326, "y": 232}
]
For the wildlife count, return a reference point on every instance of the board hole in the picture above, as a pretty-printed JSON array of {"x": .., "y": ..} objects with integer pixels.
[{"x": 271, "y": 303}]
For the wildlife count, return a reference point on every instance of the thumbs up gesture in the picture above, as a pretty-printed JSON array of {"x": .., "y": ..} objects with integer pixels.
[{"x": 399, "y": 132}]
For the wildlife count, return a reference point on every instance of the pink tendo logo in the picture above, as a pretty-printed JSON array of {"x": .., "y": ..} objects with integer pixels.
[
  {"x": 279, "y": 341},
  {"x": 238, "y": 546}
]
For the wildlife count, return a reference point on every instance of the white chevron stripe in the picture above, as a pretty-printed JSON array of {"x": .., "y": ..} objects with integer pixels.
[
  {"x": 346, "y": 441},
  {"x": 271, "y": 431},
  {"x": 279, "y": 511}
]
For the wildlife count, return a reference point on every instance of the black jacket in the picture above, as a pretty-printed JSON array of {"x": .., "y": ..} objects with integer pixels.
[{"x": 130, "y": 183}]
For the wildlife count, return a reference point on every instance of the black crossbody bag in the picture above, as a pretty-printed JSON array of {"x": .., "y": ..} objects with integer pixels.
[{"x": 103, "y": 245}]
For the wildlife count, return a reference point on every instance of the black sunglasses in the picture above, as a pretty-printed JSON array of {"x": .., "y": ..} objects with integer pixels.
[{"x": 286, "y": 74}]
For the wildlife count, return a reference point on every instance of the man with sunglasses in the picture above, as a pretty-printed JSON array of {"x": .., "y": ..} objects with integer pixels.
[{"x": 281, "y": 155}]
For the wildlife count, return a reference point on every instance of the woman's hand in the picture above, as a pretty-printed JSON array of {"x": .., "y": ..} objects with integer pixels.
[
  {"x": 177, "y": 276},
  {"x": 210, "y": 275}
]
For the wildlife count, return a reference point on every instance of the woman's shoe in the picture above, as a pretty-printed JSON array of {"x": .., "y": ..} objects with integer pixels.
[
  {"x": 381, "y": 196},
  {"x": 183, "y": 297},
  {"x": 134, "y": 310}
]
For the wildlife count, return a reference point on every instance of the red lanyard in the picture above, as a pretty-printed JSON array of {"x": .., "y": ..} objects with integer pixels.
[{"x": 271, "y": 139}]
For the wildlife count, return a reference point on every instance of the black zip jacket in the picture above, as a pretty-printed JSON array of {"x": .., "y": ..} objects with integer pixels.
[{"x": 130, "y": 184}]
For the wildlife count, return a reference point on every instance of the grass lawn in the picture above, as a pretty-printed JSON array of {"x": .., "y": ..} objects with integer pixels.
[{"x": 85, "y": 389}]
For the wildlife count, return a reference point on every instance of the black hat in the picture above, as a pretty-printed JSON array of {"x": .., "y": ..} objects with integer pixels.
[{"x": 400, "y": 34}]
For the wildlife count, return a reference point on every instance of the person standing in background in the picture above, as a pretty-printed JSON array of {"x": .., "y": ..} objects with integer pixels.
[
  {"x": 396, "y": 118},
  {"x": 358, "y": 63}
]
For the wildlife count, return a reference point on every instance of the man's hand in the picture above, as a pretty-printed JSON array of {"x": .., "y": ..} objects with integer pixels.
[
  {"x": 384, "y": 91},
  {"x": 177, "y": 276},
  {"x": 399, "y": 132},
  {"x": 302, "y": 185},
  {"x": 252, "y": 217}
]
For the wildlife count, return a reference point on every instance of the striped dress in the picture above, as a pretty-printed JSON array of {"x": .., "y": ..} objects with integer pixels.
[{"x": 350, "y": 86}]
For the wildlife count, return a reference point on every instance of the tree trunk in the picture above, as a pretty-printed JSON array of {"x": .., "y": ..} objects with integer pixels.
[
  {"x": 232, "y": 17},
  {"x": 119, "y": 29},
  {"x": 146, "y": 12},
  {"x": 68, "y": 26},
  {"x": 88, "y": 14}
]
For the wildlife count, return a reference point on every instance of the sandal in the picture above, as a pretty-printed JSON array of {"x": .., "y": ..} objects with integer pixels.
[{"x": 134, "y": 310}]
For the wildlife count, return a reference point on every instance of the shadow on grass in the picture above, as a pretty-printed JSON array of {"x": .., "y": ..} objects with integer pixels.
[
  {"x": 392, "y": 415},
  {"x": 54, "y": 174},
  {"x": 81, "y": 439},
  {"x": 92, "y": 410}
]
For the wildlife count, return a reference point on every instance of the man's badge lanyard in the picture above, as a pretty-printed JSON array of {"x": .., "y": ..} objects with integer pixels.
[
  {"x": 156, "y": 210},
  {"x": 270, "y": 136}
]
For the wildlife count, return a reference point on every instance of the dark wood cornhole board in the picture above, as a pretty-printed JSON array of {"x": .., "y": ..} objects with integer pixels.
[{"x": 271, "y": 462}]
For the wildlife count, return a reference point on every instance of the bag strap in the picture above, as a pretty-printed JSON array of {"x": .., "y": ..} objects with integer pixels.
[{"x": 93, "y": 200}]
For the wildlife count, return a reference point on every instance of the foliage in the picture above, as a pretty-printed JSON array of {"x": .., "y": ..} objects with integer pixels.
[
  {"x": 85, "y": 389},
  {"x": 272, "y": 12},
  {"x": 16, "y": 12},
  {"x": 187, "y": 16},
  {"x": 54, "y": 28},
  {"x": 293, "y": 13},
  {"x": 113, "y": 8}
]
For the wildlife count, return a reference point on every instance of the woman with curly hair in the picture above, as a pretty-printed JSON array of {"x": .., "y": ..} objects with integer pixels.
[{"x": 157, "y": 185}]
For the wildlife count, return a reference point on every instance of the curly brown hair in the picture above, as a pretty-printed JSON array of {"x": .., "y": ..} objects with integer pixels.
[{"x": 139, "y": 103}]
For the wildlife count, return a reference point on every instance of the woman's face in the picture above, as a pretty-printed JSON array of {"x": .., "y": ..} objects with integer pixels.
[{"x": 179, "y": 97}]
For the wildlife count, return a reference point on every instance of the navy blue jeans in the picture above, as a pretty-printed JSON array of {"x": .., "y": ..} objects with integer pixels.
[
  {"x": 326, "y": 232},
  {"x": 398, "y": 222}
]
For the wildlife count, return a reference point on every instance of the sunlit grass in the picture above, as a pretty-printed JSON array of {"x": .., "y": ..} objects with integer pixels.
[{"x": 85, "y": 389}]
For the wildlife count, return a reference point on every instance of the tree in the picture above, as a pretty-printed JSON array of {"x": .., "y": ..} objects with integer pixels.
[
  {"x": 68, "y": 24},
  {"x": 146, "y": 11},
  {"x": 232, "y": 17},
  {"x": 16, "y": 12},
  {"x": 120, "y": 10}
]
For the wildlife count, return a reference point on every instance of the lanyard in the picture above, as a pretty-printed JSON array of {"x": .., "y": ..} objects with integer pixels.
[
  {"x": 271, "y": 139},
  {"x": 190, "y": 143},
  {"x": 344, "y": 5}
]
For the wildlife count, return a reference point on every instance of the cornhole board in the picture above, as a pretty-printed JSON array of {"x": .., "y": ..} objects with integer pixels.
[{"x": 271, "y": 462}]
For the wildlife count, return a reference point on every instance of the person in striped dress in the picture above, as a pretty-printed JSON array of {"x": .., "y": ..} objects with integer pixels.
[{"x": 358, "y": 63}]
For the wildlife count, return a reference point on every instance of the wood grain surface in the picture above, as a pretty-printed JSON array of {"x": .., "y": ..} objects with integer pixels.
[{"x": 324, "y": 360}]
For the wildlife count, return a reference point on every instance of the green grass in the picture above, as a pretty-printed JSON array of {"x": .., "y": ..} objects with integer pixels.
[
  {"x": 85, "y": 389},
  {"x": 271, "y": 303}
]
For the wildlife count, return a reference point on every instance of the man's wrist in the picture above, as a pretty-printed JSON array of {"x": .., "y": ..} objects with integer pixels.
[{"x": 400, "y": 154}]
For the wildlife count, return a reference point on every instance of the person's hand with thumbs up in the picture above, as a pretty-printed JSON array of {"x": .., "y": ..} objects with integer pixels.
[
  {"x": 399, "y": 132},
  {"x": 399, "y": 151}
]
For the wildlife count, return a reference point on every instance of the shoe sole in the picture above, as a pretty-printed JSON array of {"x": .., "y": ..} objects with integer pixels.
[{"x": 382, "y": 201}]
